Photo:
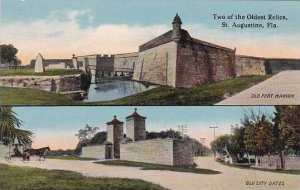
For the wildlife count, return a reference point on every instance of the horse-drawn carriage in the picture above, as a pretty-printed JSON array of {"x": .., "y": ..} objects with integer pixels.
[{"x": 16, "y": 154}]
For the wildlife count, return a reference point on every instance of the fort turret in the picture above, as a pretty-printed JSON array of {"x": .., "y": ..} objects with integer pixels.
[
  {"x": 176, "y": 29},
  {"x": 136, "y": 127},
  {"x": 115, "y": 135}
]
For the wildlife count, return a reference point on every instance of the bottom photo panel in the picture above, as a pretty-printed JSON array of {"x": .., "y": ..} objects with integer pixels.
[{"x": 156, "y": 147}]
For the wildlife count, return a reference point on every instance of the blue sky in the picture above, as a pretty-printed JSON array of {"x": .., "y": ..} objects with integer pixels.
[
  {"x": 56, "y": 126},
  {"x": 59, "y": 28}
]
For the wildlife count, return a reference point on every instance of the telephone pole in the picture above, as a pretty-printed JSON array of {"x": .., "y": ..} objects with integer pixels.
[
  {"x": 182, "y": 129},
  {"x": 214, "y": 131}
]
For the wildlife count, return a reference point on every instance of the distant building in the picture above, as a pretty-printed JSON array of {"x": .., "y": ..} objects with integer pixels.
[
  {"x": 135, "y": 146},
  {"x": 54, "y": 63}
]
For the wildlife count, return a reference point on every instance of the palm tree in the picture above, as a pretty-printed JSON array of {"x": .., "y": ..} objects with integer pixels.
[{"x": 9, "y": 128}]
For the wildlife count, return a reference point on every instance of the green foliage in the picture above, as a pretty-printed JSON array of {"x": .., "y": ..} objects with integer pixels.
[
  {"x": 170, "y": 133},
  {"x": 204, "y": 94},
  {"x": 25, "y": 96},
  {"x": 197, "y": 95},
  {"x": 147, "y": 166},
  {"x": 9, "y": 55},
  {"x": 9, "y": 128},
  {"x": 25, "y": 178},
  {"x": 49, "y": 72}
]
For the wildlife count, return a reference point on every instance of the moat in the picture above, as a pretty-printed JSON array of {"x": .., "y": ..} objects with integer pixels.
[{"x": 112, "y": 90}]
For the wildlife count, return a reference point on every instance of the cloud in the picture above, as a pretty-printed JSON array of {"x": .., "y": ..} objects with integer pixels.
[{"x": 60, "y": 36}]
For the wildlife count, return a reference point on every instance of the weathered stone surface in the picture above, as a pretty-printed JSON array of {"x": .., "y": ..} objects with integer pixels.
[
  {"x": 157, "y": 65},
  {"x": 97, "y": 152},
  {"x": 125, "y": 61},
  {"x": 39, "y": 64},
  {"x": 115, "y": 135},
  {"x": 135, "y": 129},
  {"x": 247, "y": 65},
  {"x": 274, "y": 66},
  {"x": 47, "y": 83},
  {"x": 183, "y": 154},
  {"x": 157, "y": 151}
]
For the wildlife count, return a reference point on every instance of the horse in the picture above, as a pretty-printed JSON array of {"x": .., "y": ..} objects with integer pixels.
[{"x": 41, "y": 152}]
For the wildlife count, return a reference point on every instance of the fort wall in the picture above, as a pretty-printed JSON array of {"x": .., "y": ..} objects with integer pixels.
[
  {"x": 247, "y": 65},
  {"x": 183, "y": 153},
  {"x": 198, "y": 63},
  {"x": 47, "y": 83},
  {"x": 157, "y": 65},
  {"x": 274, "y": 66},
  {"x": 157, "y": 151},
  {"x": 125, "y": 62},
  {"x": 97, "y": 152}
]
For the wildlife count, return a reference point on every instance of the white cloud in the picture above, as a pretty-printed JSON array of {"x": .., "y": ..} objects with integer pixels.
[{"x": 57, "y": 38}]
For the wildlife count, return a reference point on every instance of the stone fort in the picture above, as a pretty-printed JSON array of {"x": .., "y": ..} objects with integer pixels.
[
  {"x": 175, "y": 59},
  {"x": 135, "y": 147}
]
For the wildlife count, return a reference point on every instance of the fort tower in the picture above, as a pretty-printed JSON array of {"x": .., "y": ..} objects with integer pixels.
[{"x": 136, "y": 127}]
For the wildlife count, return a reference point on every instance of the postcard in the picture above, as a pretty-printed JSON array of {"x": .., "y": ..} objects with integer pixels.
[
  {"x": 65, "y": 52},
  {"x": 98, "y": 147}
]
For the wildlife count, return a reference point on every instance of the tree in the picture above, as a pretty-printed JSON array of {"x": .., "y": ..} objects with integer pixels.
[
  {"x": 9, "y": 55},
  {"x": 221, "y": 143},
  {"x": 9, "y": 128},
  {"x": 237, "y": 145},
  {"x": 86, "y": 133},
  {"x": 287, "y": 130},
  {"x": 85, "y": 136}
]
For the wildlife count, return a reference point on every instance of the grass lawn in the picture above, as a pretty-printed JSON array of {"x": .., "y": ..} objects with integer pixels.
[
  {"x": 147, "y": 166},
  {"x": 50, "y": 72},
  {"x": 69, "y": 158},
  {"x": 25, "y": 96},
  {"x": 294, "y": 172},
  {"x": 197, "y": 95},
  {"x": 26, "y": 178},
  {"x": 206, "y": 94}
]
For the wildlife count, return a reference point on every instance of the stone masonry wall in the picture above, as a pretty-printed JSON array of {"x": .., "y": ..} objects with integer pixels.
[
  {"x": 198, "y": 63},
  {"x": 97, "y": 152},
  {"x": 274, "y": 66},
  {"x": 246, "y": 65},
  {"x": 128, "y": 61},
  {"x": 135, "y": 129},
  {"x": 157, "y": 151},
  {"x": 157, "y": 65},
  {"x": 183, "y": 153},
  {"x": 46, "y": 83}
]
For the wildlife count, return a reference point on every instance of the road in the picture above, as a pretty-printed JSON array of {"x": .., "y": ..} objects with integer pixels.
[
  {"x": 281, "y": 89},
  {"x": 231, "y": 178}
]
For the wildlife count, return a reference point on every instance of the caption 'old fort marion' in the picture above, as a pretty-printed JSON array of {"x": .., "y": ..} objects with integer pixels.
[{"x": 174, "y": 59}]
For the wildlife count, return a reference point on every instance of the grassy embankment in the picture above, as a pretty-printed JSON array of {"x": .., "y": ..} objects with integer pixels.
[
  {"x": 147, "y": 166},
  {"x": 294, "y": 172},
  {"x": 26, "y": 178},
  {"x": 206, "y": 94},
  {"x": 30, "y": 72}
]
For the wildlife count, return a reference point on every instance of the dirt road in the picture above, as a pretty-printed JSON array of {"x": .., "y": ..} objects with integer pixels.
[{"x": 231, "y": 178}]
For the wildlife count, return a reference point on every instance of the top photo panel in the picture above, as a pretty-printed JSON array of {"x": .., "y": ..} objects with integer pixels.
[{"x": 139, "y": 52}]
